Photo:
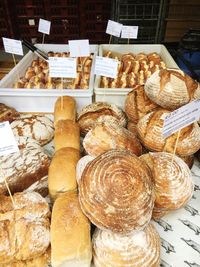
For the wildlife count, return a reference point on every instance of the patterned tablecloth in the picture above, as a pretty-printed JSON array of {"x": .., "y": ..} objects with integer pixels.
[{"x": 180, "y": 231}]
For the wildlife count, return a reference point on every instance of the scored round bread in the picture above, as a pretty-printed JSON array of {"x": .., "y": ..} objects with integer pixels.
[
  {"x": 62, "y": 171},
  {"x": 67, "y": 134},
  {"x": 70, "y": 233},
  {"x": 24, "y": 228},
  {"x": 149, "y": 130},
  {"x": 116, "y": 192},
  {"x": 138, "y": 249},
  {"x": 137, "y": 104},
  {"x": 89, "y": 114},
  {"x": 106, "y": 135},
  {"x": 64, "y": 109},
  {"x": 173, "y": 181},
  {"x": 22, "y": 169},
  {"x": 171, "y": 89},
  {"x": 37, "y": 127}
]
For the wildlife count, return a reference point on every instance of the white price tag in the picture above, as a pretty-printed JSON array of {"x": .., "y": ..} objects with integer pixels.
[
  {"x": 13, "y": 46},
  {"x": 114, "y": 28},
  {"x": 129, "y": 32},
  {"x": 180, "y": 118},
  {"x": 62, "y": 67},
  {"x": 105, "y": 66},
  {"x": 8, "y": 143},
  {"x": 44, "y": 26},
  {"x": 79, "y": 48}
]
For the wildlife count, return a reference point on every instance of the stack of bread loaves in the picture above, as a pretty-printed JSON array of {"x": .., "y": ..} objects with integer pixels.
[{"x": 70, "y": 228}]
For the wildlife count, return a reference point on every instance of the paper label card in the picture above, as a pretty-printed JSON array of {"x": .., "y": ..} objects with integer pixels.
[
  {"x": 180, "y": 118},
  {"x": 44, "y": 26},
  {"x": 105, "y": 66},
  {"x": 129, "y": 32},
  {"x": 114, "y": 28},
  {"x": 62, "y": 67},
  {"x": 8, "y": 143},
  {"x": 79, "y": 48},
  {"x": 13, "y": 46}
]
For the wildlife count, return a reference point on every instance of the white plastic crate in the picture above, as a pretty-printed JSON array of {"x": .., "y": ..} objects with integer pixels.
[
  {"x": 41, "y": 100},
  {"x": 118, "y": 95}
]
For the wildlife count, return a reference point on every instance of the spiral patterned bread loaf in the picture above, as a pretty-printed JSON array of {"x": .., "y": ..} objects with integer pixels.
[
  {"x": 89, "y": 114},
  {"x": 149, "y": 130},
  {"x": 106, "y": 135},
  {"x": 173, "y": 181},
  {"x": 171, "y": 89},
  {"x": 116, "y": 192},
  {"x": 138, "y": 249},
  {"x": 137, "y": 104}
]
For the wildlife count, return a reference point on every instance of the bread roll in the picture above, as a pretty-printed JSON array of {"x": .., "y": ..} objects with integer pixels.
[
  {"x": 37, "y": 127},
  {"x": 106, "y": 135},
  {"x": 173, "y": 182},
  {"x": 70, "y": 233},
  {"x": 171, "y": 89},
  {"x": 67, "y": 134},
  {"x": 23, "y": 168},
  {"x": 24, "y": 231},
  {"x": 62, "y": 171},
  {"x": 137, "y": 104},
  {"x": 89, "y": 114},
  {"x": 149, "y": 130},
  {"x": 7, "y": 113},
  {"x": 116, "y": 192},
  {"x": 65, "y": 109},
  {"x": 138, "y": 249}
]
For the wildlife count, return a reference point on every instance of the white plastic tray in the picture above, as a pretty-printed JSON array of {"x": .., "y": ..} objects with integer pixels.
[
  {"x": 41, "y": 100},
  {"x": 117, "y": 95}
]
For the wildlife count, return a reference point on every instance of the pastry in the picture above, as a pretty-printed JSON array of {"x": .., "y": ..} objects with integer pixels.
[
  {"x": 7, "y": 113},
  {"x": 138, "y": 249},
  {"x": 88, "y": 115},
  {"x": 171, "y": 89},
  {"x": 137, "y": 104},
  {"x": 173, "y": 181},
  {"x": 149, "y": 130},
  {"x": 107, "y": 135},
  {"x": 116, "y": 192},
  {"x": 37, "y": 127},
  {"x": 22, "y": 169},
  {"x": 70, "y": 233},
  {"x": 25, "y": 230}
]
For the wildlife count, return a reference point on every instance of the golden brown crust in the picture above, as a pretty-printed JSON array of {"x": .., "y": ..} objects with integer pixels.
[
  {"x": 107, "y": 135},
  {"x": 116, "y": 192},
  {"x": 7, "y": 113}
]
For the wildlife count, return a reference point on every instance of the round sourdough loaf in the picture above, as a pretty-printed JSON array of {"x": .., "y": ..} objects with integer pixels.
[
  {"x": 173, "y": 182},
  {"x": 89, "y": 114},
  {"x": 171, "y": 89},
  {"x": 138, "y": 249},
  {"x": 149, "y": 129},
  {"x": 116, "y": 192}
]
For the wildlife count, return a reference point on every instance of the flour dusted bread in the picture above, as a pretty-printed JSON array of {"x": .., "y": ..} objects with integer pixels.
[
  {"x": 138, "y": 249},
  {"x": 62, "y": 171},
  {"x": 70, "y": 233},
  {"x": 23, "y": 168},
  {"x": 106, "y": 135},
  {"x": 37, "y": 127},
  {"x": 81, "y": 166},
  {"x": 40, "y": 186},
  {"x": 67, "y": 134},
  {"x": 173, "y": 182},
  {"x": 149, "y": 130},
  {"x": 171, "y": 89},
  {"x": 89, "y": 114},
  {"x": 65, "y": 109},
  {"x": 116, "y": 192},
  {"x": 8, "y": 113},
  {"x": 137, "y": 104},
  {"x": 24, "y": 231}
]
